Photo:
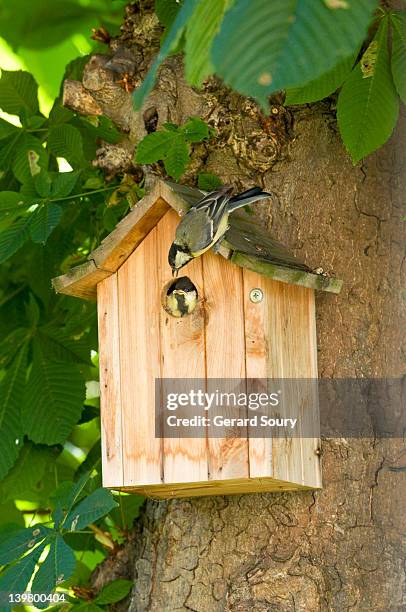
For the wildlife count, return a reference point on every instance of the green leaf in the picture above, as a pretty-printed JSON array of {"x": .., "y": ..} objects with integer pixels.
[
  {"x": 46, "y": 24},
  {"x": 153, "y": 147},
  {"x": 66, "y": 141},
  {"x": 59, "y": 113},
  {"x": 171, "y": 127},
  {"x": 11, "y": 517},
  {"x": 201, "y": 30},
  {"x": 11, "y": 394},
  {"x": 195, "y": 130},
  {"x": 208, "y": 182},
  {"x": 16, "y": 544},
  {"x": 33, "y": 122},
  {"x": 43, "y": 182},
  {"x": 44, "y": 221},
  {"x": 265, "y": 46},
  {"x": 171, "y": 40},
  {"x": 368, "y": 104},
  {"x": 114, "y": 591},
  {"x": 16, "y": 578},
  {"x": 13, "y": 202},
  {"x": 58, "y": 345},
  {"x": 67, "y": 498},
  {"x": 77, "y": 491},
  {"x": 64, "y": 184},
  {"x": 101, "y": 128},
  {"x": 27, "y": 472},
  {"x": 53, "y": 400},
  {"x": 7, "y": 151},
  {"x": 166, "y": 11},
  {"x": 14, "y": 237},
  {"x": 321, "y": 87},
  {"x": 92, "y": 508},
  {"x": 177, "y": 157},
  {"x": 32, "y": 312},
  {"x": 399, "y": 53},
  {"x": 18, "y": 92},
  {"x": 6, "y": 128},
  {"x": 128, "y": 510},
  {"x": 11, "y": 343},
  {"x": 58, "y": 566},
  {"x": 88, "y": 606},
  {"x": 29, "y": 159}
]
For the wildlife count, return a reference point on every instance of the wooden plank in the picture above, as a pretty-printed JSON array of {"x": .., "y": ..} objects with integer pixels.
[
  {"x": 110, "y": 397},
  {"x": 218, "y": 487},
  {"x": 180, "y": 197},
  {"x": 300, "y": 359},
  {"x": 81, "y": 281},
  {"x": 247, "y": 243},
  {"x": 256, "y": 359},
  {"x": 139, "y": 307},
  {"x": 287, "y": 275},
  {"x": 130, "y": 232},
  {"x": 264, "y": 360},
  {"x": 225, "y": 359},
  {"x": 182, "y": 350},
  {"x": 280, "y": 344}
]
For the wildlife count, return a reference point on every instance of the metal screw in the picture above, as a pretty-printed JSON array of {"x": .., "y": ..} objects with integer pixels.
[{"x": 256, "y": 295}]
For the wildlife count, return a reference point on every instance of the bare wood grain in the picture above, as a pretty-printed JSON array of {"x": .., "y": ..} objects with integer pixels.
[
  {"x": 182, "y": 350},
  {"x": 281, "y": 344},
  {"x": 225, "y": 359},
  {"x": 139, "y": 306},
  {"x": 130, "y": 232},
  {"x": 110, "y": 396},
  {"x": 233, "y": 486},
  {"x": 256, "y": 358},
  {"x": 81, "y": 281}
]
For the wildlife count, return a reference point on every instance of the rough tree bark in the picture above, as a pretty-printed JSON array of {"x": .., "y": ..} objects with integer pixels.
[{"x": 340, "y": 548}]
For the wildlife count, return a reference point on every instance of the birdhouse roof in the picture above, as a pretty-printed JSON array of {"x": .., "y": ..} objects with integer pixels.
[{"x": 246, "y": 244}]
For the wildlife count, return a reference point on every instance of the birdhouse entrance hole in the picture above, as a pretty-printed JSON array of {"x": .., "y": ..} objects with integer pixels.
[{"x": 180, "y": 297}]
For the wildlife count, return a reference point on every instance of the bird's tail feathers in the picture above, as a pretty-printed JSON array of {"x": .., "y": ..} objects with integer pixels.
[{"x": 247, "y": 197}]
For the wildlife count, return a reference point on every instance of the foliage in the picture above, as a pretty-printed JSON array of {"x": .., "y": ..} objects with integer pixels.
[
  {"x": 306, "y": 47},
  {"x": 50, "y": 34},
  {"x": 367, "y": 90},
  {"x": 49, "y": 221},
  {"x": 56, "y": 522},
  {"x": 208, "y": 182},
  {"x": 171, "y": 145},
  {"x": 22, "y": 549}
]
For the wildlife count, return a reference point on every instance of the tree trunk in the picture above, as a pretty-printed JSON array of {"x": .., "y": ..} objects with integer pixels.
[{"x": 339, "y": 548}]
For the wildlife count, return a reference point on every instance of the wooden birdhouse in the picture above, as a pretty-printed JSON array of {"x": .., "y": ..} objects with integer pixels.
[{"x": 254, "y": 320}]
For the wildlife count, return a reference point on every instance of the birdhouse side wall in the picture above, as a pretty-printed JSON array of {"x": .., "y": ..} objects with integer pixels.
[{"x": 227, "y": 336}]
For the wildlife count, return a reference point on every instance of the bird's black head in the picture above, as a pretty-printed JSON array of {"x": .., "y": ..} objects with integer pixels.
[
  {"x": 178, "y": 257},
  {"x": 181, "y": 284}
]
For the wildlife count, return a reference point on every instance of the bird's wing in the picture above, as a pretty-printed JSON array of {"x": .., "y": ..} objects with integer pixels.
[
  {"x": 195, "y": 231},
  {"x": 214, "y": 205},
  {"x": 247, "y": 197}
]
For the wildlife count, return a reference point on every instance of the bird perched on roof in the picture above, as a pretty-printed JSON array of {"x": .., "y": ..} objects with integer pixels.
[
  {"x": 206, "y": 222},
  {"x": 181, "y": 297}
]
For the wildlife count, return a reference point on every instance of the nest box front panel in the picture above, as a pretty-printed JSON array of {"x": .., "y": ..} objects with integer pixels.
[{"x": 226, "y": 336}]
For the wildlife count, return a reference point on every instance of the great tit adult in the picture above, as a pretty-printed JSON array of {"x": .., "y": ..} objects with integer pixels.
[
  {"x": 181, "y": 297},
  {"x": 206, "y": 222}
]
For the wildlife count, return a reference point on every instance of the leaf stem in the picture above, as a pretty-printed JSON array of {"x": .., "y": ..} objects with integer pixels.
[{"x": 81, "y": 195}]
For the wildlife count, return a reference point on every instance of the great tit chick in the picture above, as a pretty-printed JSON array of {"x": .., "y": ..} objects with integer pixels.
[
  {"x": 181, "y": 297},
  {"x": 206, "y": 222}
]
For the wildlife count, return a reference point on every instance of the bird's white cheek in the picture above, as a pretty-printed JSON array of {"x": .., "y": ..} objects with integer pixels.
[{"x": 181, "y": 259}]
